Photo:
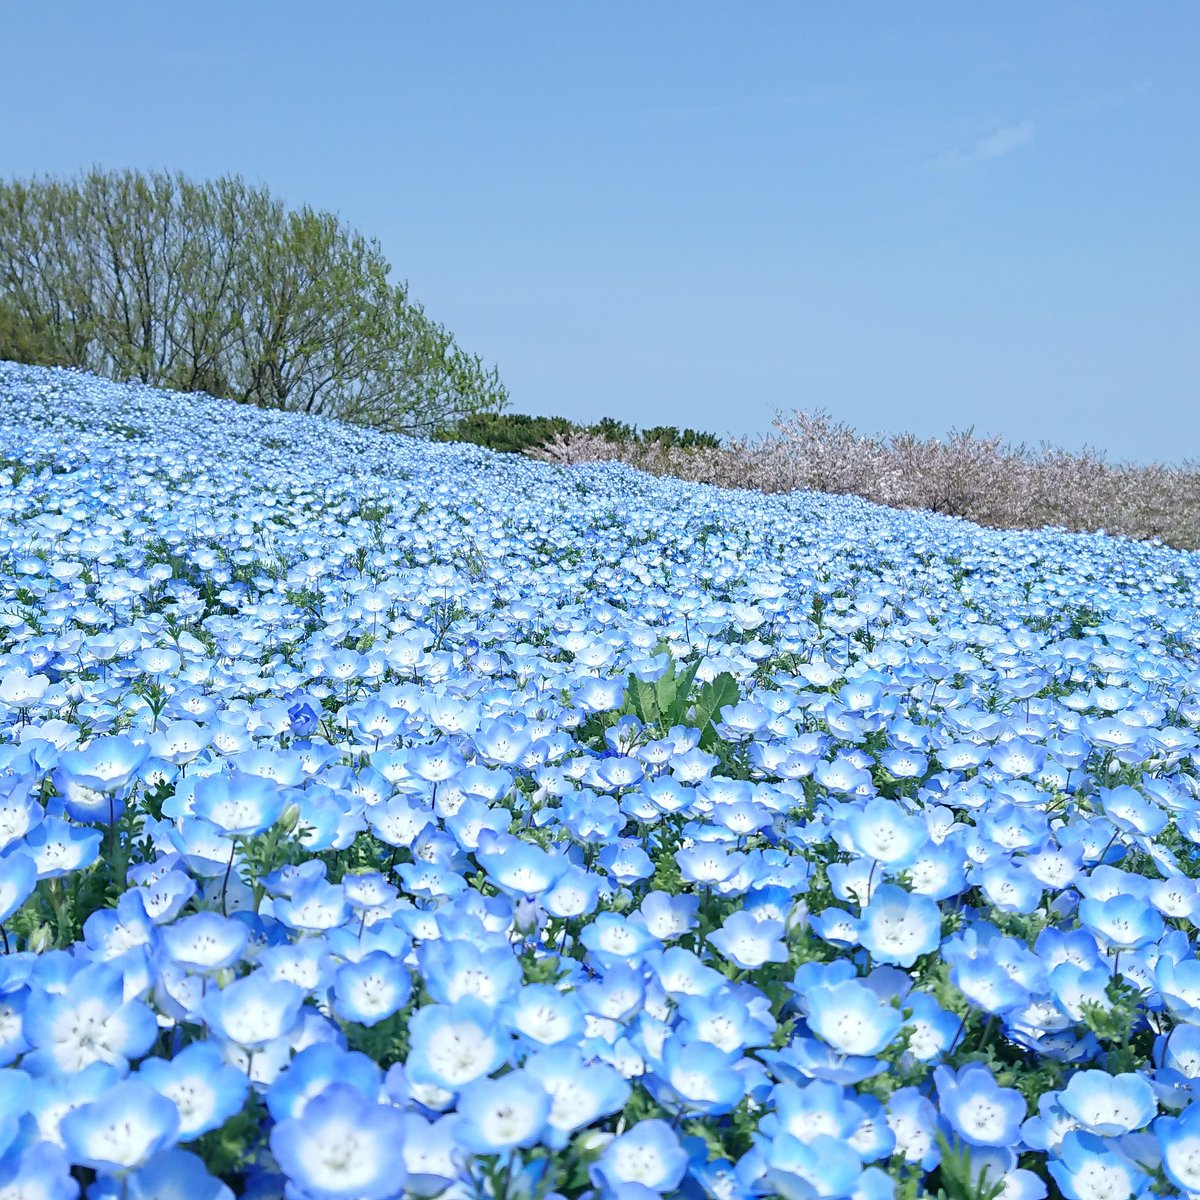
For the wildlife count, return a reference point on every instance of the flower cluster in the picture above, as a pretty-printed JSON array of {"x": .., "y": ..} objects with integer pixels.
[{"x": 380, "y": 819}]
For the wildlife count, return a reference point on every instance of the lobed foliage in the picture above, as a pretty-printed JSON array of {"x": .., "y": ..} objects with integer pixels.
[
  {"x": 218, "y": 287},
  {"x": 964, "y": 475},
  {"x": 385, "y": 819}
]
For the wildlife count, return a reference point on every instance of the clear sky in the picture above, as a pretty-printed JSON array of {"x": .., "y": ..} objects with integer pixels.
[{"x": 918, "y": 216}]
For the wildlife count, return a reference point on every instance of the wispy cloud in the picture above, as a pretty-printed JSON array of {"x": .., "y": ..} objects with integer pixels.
[{"x": 997, "y": 143}]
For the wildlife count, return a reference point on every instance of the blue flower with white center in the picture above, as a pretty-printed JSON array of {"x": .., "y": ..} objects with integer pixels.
[
  {"x": 748, "y": 943},
  {"x": 454, "y": 968},
  {"x": 313, "y": 907},
  {"x": 649, "y": 1154},
  {"x": 934, "y": 1030},
  {"x": 343, "y": 1146},
  {"x": 897, "y": 927},
  {"x": 372, "y": 989},
  {"x": 850, "y": 1018},
  {"x": 204, "y": 1088},
  {"x": 431, "y": 1153},
  {"x": 205, "y": 942},
  {"x": 726, "y": 1020},
  {"x": 1088, "y": 1167},
  {"x": 314, "y": 1070},
  {"x": 520, "y": 868},
  {"x": 580, "y": 1093},
  {"x": 41, "y": 1171},
  {"x": 58, "y": 847},
  {"x": 1007, "y": 887},
  {"x": 698, "y": 1078},
  {"x": 913, "y": 1121},
  {"x": 88, "y": 1021},
  {"x": 254, "y": 1010},
  {"x": 611, "y": 939},
  {"x": 816, "y": 1110},
  {"x": 1109, "y": 1105},
  {"x": 668, "y": 917},
  {"x": 239, "y": 804},
  {"x": 121, "y": 1129},
  {"x": 798, "y": 1170},
  {"x": 455, "y": 1044},
  {"x": 169, "y": 1175},
  {"x": 498, "y": 1115},
  {"x": 544, "y": 1016},
  {"x": 1121, "y": 922},
  {"x": 708, "y": 865},
  {"x": 626, "y": 862},
  {"x": 977, "y": 1108}
]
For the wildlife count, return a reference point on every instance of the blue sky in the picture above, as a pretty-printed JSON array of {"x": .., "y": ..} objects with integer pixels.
[{"x": 917, "y": 216}]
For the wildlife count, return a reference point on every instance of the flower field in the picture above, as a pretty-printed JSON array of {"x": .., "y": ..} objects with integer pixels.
[{"x": 386, "y": 819}]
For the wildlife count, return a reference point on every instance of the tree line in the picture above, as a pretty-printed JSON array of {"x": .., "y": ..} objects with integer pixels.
[{"x": 217, "y": 286}]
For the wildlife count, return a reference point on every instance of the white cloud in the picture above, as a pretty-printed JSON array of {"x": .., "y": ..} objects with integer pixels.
[{"x": 999, "y": 142}]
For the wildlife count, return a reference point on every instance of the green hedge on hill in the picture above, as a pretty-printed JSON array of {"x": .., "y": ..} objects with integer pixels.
[{"x": 514, "y": 433}]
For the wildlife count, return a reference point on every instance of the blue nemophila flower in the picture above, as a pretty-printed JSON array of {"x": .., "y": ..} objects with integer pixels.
[
  {"x": 520, "y": 868},
  {"x": 898, "y": 927},
  {"x": 883, "y": 831},
  {"x": 934, "y": 1030},
  {"x": 169, "y": 1175},
  {"x": 372, "y": 989},
  {"x": 649, "y": 1154},
  {"x": 851, "y": 1018},
  {"x": 454, "y": 1044},
  {"x": 1109, "y": 1104},
  {"x": 698, "y": 1078},
  {"x": 499, "y": 1115},
  {"x": 42, "y": 1171},
  {"x": 343, "y": 1146},
  {"x": 317, "y": 1068},
  {"x": 797, "y": 1169},
  {"x": 1087, "y": 1166},
  {"x": 254, "y": 1010},
  {"x": 205, "y": 942},
  {"x": 748, "y": 942},
  {"x": 120, "y": 1130},
  {"x": 205, "y": 1089},
  {"x": 59, "y": 847},
  {"x": 544, "y": 1016},
  {"x": 1121, "y": 922},
  {"x": 611, "y": 939},
  {"x": 454, "y": 967},
  {"x": 913, "y": 1120},
  {"x": 580, "y": 1092},
  {"x": 88, "y": 1020},
  {"x": 977, "y": 1108},
  {"x": 313, "y": 906},
  {"x": 239, "y": 804}
]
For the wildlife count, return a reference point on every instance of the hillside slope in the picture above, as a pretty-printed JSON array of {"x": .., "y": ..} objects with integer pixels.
[{"x": 450, "y": 820}]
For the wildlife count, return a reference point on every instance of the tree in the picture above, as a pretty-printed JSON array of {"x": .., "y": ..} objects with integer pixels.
[{"x": 218, "y": 287}]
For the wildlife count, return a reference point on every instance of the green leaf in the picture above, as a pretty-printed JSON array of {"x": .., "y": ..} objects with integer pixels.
[
  {"x": 683, "y": 688},
  {"x": 713, "y": 697},
  {"x": 645, "y": 699}
]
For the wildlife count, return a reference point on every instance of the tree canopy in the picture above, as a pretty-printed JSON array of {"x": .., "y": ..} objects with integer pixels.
[{"x": 217, "y": 286}]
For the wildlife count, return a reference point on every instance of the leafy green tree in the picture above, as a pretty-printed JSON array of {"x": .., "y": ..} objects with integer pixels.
[{"x": 217, "y": 286}]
